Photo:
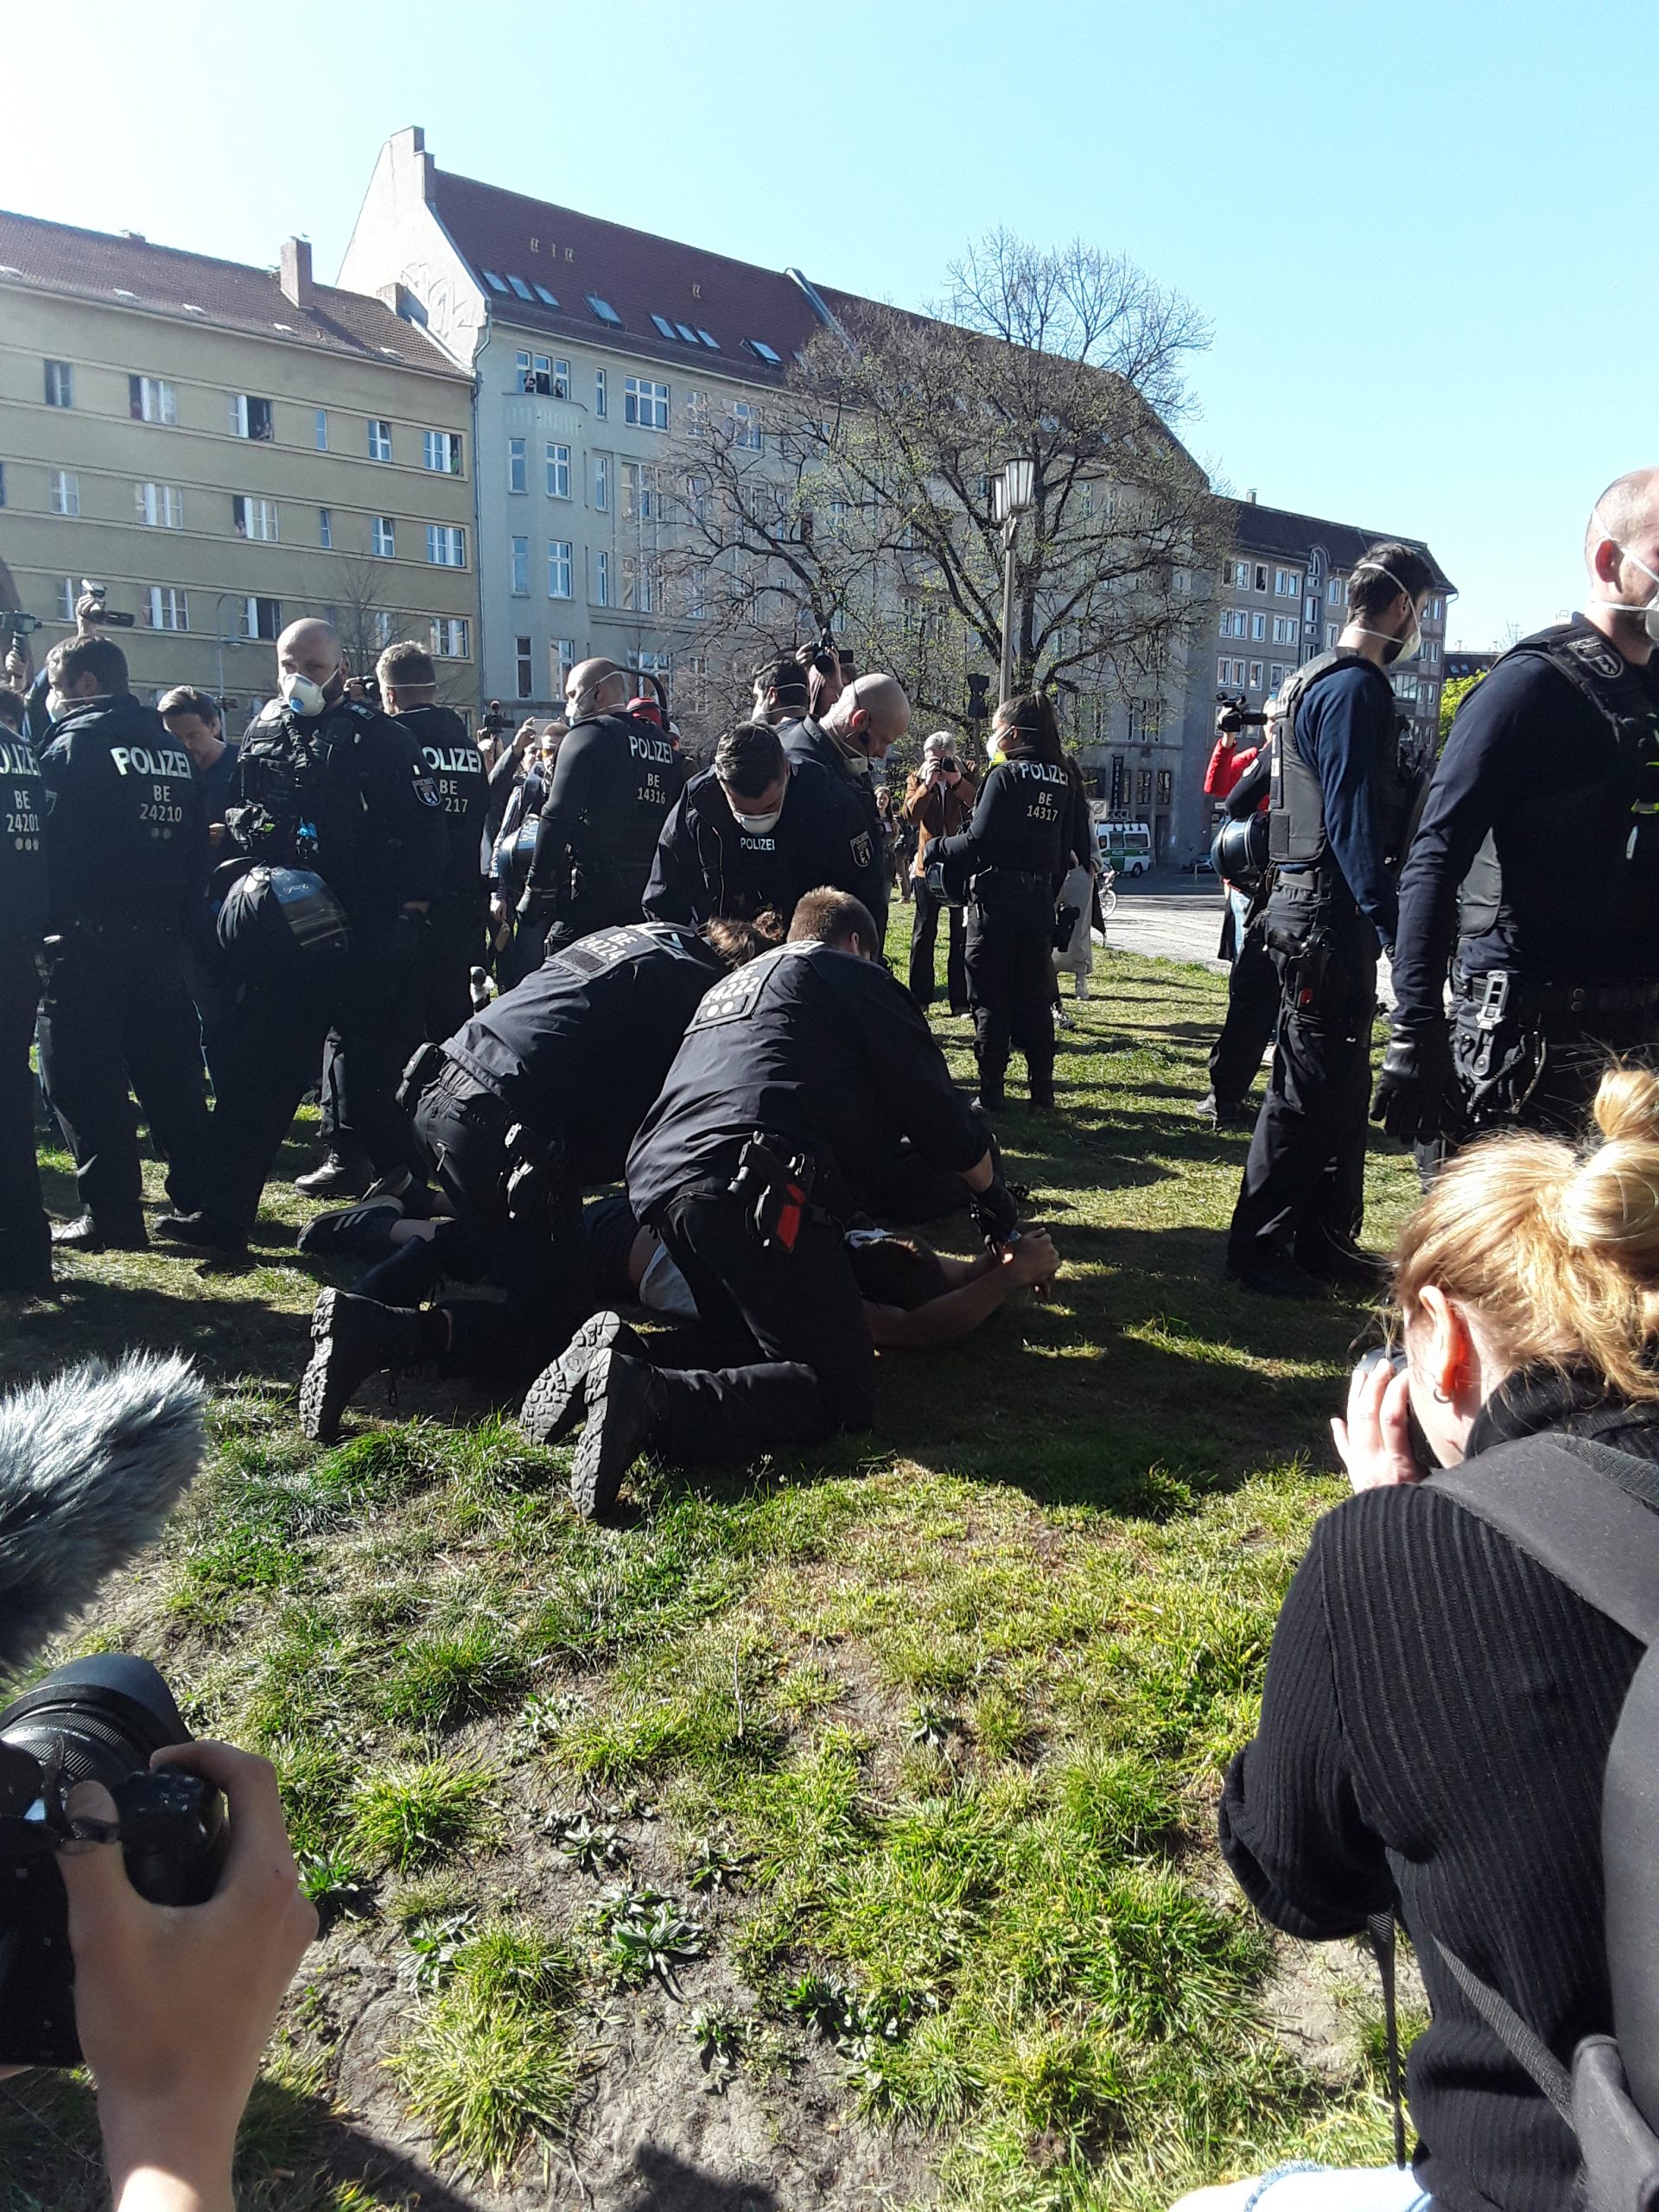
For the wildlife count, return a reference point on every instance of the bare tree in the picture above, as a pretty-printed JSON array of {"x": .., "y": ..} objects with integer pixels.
[
  {"x": 862, "y": 496},
  {"x": 367, "y": 625}
]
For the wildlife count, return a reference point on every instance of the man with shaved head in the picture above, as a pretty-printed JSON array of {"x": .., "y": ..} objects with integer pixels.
[
  {"x": 340, "y": 830},
  {"x": 614, "y": 782},
  {"x": 851, "y": 740},
  {"x": 1534, "y": 874}
]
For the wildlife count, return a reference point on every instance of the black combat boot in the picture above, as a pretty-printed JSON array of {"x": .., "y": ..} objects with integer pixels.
[
  {"x": 100, "y": 1233},
  {"x": 353, "y": 1338},
  {"x": 340, "y": 1175},
  {"x": 627, "y": 1412},
  {"x": 1040, "y": 1078},
  {"x": 553, "y": 1402}
]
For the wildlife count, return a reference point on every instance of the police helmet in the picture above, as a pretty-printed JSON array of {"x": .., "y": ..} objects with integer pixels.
[
  {"x": 1239, "y": 854},
  {"x": 278, "y": 922}
]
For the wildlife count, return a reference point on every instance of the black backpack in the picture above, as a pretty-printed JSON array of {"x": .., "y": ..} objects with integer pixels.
[{"x": 1590, "y": 1514}]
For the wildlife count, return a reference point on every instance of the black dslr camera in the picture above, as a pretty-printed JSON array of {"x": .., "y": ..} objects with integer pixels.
[
  {"x": 1236, "y": 715},
  {"x": 97, "y": 1719},
  {"x": 496, "y": 723}
]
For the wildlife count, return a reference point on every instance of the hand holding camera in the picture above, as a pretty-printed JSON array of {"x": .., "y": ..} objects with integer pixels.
[{"x": 1375, "y": 1443}]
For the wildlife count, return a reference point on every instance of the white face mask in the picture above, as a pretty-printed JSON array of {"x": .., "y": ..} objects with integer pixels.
[
  {"x": 57, "y": 706},
  {"x": 1649, "y": 609},
  {"x": 858, "y": 763},
  {"x": 1404, "y": 648},
  {"x": 302, "y": 695},
  {"x": 756, "y": 825}
]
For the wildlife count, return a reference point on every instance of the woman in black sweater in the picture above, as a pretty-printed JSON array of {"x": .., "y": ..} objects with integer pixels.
[{"x": 1438, "y": 1705}]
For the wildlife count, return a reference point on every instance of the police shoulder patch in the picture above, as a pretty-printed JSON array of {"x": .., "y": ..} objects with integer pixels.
[
  {"x": 1597, "y": 656},
  {"x": 427, "y": 791},
  {"x": 862, "y": 848},
  {"x": 735, "y": 997}
]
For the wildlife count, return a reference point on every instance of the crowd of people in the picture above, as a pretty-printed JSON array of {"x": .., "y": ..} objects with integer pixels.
[{"x": 693, "y": 1014}]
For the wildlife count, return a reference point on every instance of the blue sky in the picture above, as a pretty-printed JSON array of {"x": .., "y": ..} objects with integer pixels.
[{"x": 1419, "y": 231}]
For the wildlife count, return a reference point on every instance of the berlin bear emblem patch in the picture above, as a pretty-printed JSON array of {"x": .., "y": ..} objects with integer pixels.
[
  {"x": 861, "y": 849},
  {"x": 427, "y": 791}
]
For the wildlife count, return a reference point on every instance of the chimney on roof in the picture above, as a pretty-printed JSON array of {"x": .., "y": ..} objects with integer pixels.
[
  {"x": 296, "y": 272},
  {"x": 1250, "y": 497},
  {"x": 399, "y": 299}
]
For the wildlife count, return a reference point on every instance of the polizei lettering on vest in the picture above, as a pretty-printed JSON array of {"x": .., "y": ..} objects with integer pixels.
[
  {"x": 1041, "y": 772},
  {"x": 655, "y": 749},
  {"x": 139, "y": 760},
  {"x": 451, "y": 760},
  {"x": 17, "y": 759}
]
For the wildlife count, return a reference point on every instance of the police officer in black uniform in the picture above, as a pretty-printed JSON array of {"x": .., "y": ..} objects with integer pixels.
[
  {"x": 328, "y": 785},
  {"x": 538, "y": 1095},
  {"x": 127, "y": 854},
  {"x": 615, "y": 779},
  {"x": 850, "y": 743},
  {"x": 458, "y": 919},
  {"x": 1240, "y": 860},
  {"x": 810, "y": 1058},
  {"x": 1341, "y": 802},
  {"x": 25, "y": 1235},
  {"x": 1029, "y": 823},
  {"x": 753, "y": 833},
  {"x": 1537, "y": 858}
]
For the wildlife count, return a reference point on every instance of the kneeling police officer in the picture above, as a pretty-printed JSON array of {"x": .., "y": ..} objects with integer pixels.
[
  {"x": 126, "y": 842},
  {"x": 792, "y": 1071},
  {"x": 538, "y": 1095},
  {"x": 752, "y": 834},
  {"x": 333, "y": 799},
  {"x": 1537, "y": 859},
  {"x": 1341, "y": 803}
]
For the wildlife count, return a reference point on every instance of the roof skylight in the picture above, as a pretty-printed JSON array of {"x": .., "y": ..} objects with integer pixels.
[
  {"x": 603, "y": 308},
  {"x": 713, "y": 344},
  {"x": 545, "y": 296},
  {"x": 663, "y": 325},
  {"x": 495, "y": 283},
  {"x": 520, "y": 287},
  {"x": 762, "y": 351}
]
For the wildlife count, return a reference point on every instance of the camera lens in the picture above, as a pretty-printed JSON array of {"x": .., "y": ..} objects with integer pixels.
[{"x": 97, "y": 1720}]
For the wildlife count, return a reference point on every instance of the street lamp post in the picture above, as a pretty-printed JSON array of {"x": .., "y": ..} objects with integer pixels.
[
  {"x": 219, "y": 634},
  {"x": 1013, "y": 497}
]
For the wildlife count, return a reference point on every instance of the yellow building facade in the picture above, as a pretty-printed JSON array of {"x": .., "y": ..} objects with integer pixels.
[{"x": 227, "y": 448}]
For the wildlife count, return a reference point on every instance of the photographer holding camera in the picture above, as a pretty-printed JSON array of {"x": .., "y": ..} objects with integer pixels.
[{"x": 939, "y": 800}]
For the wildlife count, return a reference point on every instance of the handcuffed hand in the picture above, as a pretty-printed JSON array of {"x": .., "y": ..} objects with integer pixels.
[
  {"x": 1374, "y": 1443},
  {"x": 1030, "y": 1259},
  {"x": 174, "y": 2003}
]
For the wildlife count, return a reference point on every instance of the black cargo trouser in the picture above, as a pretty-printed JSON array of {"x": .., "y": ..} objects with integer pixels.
[
  {"x": 790, "y": 1325},
  {"x": 1010, "y": 964},
  {"x": 25, "y": 1235},
  {"x": 923, "y": 933},
  {"x": 267, "y": 1053},
  {"x": 116, "y": 1018},
  {"x": 528, "y": 1243},
  {"x": 606, "y": 895},
  {"x": 457, "y": 939},
  {"x": 1304, "y": 1189},
  {"x": 1253, "y": 993}
]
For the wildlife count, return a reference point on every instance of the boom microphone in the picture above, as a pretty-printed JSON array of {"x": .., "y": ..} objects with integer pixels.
[{"x": 91, "y": 1463}]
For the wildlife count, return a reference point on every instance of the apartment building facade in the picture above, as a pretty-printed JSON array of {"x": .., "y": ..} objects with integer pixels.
[
  {"x": 593, "y": 347},
  {"x": 227, "y": 448},
  {"x": 1283, "y": 598}
]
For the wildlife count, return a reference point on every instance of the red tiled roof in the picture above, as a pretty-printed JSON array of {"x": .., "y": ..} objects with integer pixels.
[
  {"x": 108, "y": 267},
  {"x": 635, "y": 273}
]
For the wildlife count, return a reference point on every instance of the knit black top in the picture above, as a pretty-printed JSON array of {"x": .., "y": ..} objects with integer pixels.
[{"x": 1435, "y": 1722}]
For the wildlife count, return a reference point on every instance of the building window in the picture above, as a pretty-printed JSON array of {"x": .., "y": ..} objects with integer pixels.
[
  {"x": 60, "y": 386},
  {"x": 1258, "y": 627},
  {"x": 1166, "y": 786},
  {"x": 322, "y": 429},
  {"x": 1286, "y": 584},
  {"x": 519, "y": 566},
  {"x": 385, "y": 623},
  {"x": 523, "y": 672},
  {"x": 1255, "y": 675},
  {"x": 697, "y": 501},
  {"x": 166, "y": 607},
  {"x": 602, "y": 482},
  {"x": 325, "y": 528},
  {"x": 562, "y": 656},
  {"x": 254, "y": 519},
  {"x": 383, "y": 537},
  {"x": 558, "y": 472},
  {"x": 446, "y": 545},
  {"x": 602, "y": 580},
  {"x": 441, "y": 452},
  {"x": 1145, "y": 721},
  {"x": 65, "y": 491},
  {"x": 638, "y": 592},
  {"x": 535, "y": 373},
  {"x": 746, "y": 426},
  {"x": 1287, "y": 630},
  {"x": 160, "y": 506},
  {"x": 558, "y": 568},
  {"x": 1233, "y": 620},
  {"x": 696, "y": 593},
  {"x": 152, "y": 399},
  {"x": 379, "y": 438},
  {"x": 1277, "y": 674},
  {"x": 645, "y": 403},
  {"x": 1334, "y": 594},
  {"x": 599, "y": 393},
  {"x": 696, "y": 414},
  {"x": 450, "y": 637},
  {"x": 250, "y": 418},
  {"x": 1143, "y": 787},
  {"x": 639, "y": 502},
  {"x": 518, "y": 467},
  {"x": 1260, "y": 577},
  {"x": 67, "y": 593}
]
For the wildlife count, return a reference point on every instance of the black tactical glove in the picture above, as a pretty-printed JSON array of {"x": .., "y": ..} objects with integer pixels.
[
  {"x": 1417, "y": 1096},
  {"x": 995, "y": 1210}
]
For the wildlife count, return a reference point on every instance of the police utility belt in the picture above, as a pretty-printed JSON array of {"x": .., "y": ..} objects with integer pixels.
[
  {"x": 532, "y": 1161},
  {"x": 1502, "y": 992}
]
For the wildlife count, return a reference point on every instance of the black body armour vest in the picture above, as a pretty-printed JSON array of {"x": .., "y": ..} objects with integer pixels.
[
  {"x": 1296, "y": 828},
  {"x": 1607, "y": 832}
]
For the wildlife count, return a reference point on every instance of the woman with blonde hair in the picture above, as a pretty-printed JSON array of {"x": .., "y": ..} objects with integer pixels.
[{"x": 1439, "y": 1705}]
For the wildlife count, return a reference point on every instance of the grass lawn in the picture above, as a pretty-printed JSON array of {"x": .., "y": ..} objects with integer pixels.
[{"x": 838, "y": 1832}]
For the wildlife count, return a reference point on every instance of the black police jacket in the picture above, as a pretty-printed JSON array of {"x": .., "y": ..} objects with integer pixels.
[
  {"x": 578, "y": 1051},
  {"x": 1341, "y": 796},
  {"x": 707, "y": 864},
  {"x": 1023, "y": 826},
  {"x": 345, "y": 795},
  {"x": 824, "y": 1052},
  {"x": 23, "y": 802},
  {"x": 615, "y": 779},
  {"x": 456, "y": 769},
  {"x": 1538, "y": 846},
  {"x": 808, "y": 740},
  {"x": 126, "y": 829}
]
